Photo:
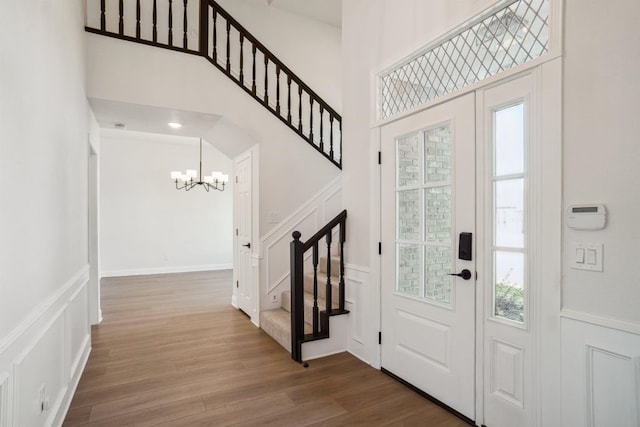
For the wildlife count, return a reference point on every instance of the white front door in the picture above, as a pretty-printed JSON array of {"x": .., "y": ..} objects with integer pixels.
[
  {"x": 428, "y": 207},
  {"x": 243, "y": 234}
]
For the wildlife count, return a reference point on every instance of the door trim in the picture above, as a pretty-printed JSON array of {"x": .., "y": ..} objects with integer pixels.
[{"x": 252, "y": 275}]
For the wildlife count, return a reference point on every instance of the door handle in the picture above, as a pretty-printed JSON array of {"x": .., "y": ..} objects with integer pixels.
[
  {"x": 248, "y": 245},
  {"x": 465, "y": 274}
]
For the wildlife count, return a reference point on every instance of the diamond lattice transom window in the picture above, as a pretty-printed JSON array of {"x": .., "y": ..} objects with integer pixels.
[{"x": 514, "y": 35}]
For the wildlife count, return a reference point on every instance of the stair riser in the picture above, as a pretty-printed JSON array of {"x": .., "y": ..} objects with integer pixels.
[
  {"x": 308, "y": 305},
  {"x": 335, "y": 266},
  {"x": 322, "y": 285}
]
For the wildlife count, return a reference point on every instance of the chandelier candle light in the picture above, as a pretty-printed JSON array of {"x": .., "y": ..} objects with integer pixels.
[{"x": 186, "y": 181}]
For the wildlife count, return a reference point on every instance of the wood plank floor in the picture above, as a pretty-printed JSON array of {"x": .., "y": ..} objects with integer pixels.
[{"x": 172, "y": 351}]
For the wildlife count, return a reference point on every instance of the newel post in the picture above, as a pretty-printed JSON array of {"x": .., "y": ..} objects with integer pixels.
[
  {"x": 297, "y": 297},
  {"x": 203, "y": 30}
]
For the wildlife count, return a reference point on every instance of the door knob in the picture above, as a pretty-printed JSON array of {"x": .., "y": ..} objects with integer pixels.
[
  {"x": 465, "y": 274},
  {"x": 248, "y": 245}
]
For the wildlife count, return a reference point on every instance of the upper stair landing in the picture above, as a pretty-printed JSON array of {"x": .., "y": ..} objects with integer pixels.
[{"x": 204, "y": 28}]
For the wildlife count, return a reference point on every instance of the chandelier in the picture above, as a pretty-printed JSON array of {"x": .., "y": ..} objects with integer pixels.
[{"x": 188, "y": 180}]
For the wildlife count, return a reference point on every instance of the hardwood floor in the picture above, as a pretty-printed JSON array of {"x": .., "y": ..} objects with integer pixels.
[{"x": 172, "y": 351}]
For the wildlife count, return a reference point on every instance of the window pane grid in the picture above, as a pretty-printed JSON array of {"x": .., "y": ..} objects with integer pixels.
[
  {"x": 511, "y": 36},
  {"x": 509, "y": 214},
  {"x": 423, "y": 214}
]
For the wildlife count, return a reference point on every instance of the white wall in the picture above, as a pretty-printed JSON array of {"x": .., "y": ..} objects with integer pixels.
[
  {"x": 147, "y": 226},
  {"x": 375, "y": 34},
  {"x": 128, "y": 72},
  {"x": 310, "y": 48},
  {"x": 602, "y": 151},
  {"x": 601, "y": 319},
  {"x": 44, "y": 327}
]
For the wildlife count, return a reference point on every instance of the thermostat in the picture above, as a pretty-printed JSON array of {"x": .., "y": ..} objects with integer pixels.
[{"x": 586, "y": 217}]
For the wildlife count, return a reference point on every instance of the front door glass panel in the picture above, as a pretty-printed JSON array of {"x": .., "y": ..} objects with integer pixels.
[{"x": 424, "y": 244}]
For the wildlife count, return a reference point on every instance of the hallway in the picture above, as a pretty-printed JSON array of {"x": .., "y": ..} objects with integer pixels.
[{"x": 172, "y": 351}]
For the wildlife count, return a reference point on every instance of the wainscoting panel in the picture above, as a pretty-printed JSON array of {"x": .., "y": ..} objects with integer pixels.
[
  {"x": 356, "y": 279},
  {"x": 39, "y": 376},
  {"x": 507, "y": 372},
  {"x": 601, "y": 372},
  {"x": 4, "y": 400},
  {"x": 43, "y": 357},
  {"x": 275, "y": 257}
]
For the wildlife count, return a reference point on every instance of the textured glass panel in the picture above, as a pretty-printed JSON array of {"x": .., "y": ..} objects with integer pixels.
[
  {"x": 409, "y": 258},
  {"x": 509, "y": 286},
  {"x": 438, "y": 214},
  {"x": 513, "y": 35},
  {"x": 509, "y": 144},
  {"x": 409, "y": 208},
  {"x": 408, "y": 157},
  {"x": 438, "y": 263},
  {"x": 509, "y": 213},
  {"x": 437, "y": 154}
]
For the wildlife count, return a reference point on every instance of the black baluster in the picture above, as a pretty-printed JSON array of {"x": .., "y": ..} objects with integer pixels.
[
  {"x": 340, "y": 121},
  {"x": 185, "y": 22},
  {"x": 311, "y": 119},
  {"x": 215, "y": 36},
  {"x": 266, "y": 80},
  {"x": 137, "y": 19},
  {"x": 170, "y": 22},
  {"x": 316, "y": 311},
  {"x": 297, "y": 296},
  {"x": 289, "y": 99},
  {"x": 203, "y": 30},
  {"x": 253, "y": 85},
  {"x": 121, "y": 24},
  {"x": 278, "y": 89},
  {"x": 321, "y": 128},
  {"x": 299, "y": 108},
  {"x": 155, "y": 21},
  {"x": 329, "y": 290},
  {"x": 331, "y": 136},
  {"x": 341, "y": 288},
  {"x": 242, "y": 59},
  {"x": 228, "y": 46},
  {"x": 103, "y": 16}
]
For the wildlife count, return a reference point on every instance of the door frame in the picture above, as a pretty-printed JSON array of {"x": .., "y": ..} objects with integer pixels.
[
  {"x": 252, "y": 274},
  {"x": 545, "y": 300}
]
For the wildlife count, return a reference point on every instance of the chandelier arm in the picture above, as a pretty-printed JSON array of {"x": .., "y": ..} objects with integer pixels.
[{"x": 201, "y": 159}]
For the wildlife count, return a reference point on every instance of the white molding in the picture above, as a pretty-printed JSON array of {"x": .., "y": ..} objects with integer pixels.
[
  {"x": 165, "y": 270},
  {"x": 17, "y": 364},
  {"x": 82, "y": 276},
  {"x": 310, "y": 202},
  {"x": 285, "y": 231},
  {"x": 67, "y": 396},
  {"x": 354, "y": 267},
  {"x": 4, "y": 400},
  {"x": 605, "y": 322}
]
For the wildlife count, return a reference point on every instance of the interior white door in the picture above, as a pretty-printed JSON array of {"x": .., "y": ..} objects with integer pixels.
[
  {"x": 428, "y": 199},
  {"x": 243, "y": 234}
]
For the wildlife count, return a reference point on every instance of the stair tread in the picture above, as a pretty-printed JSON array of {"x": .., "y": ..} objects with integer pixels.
[{"x": 308, "y": 301}]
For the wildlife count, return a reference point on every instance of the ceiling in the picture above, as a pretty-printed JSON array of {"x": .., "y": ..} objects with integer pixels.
[
  {"x": 214, "y": 129},
  {"x": 327, "y": 11}
]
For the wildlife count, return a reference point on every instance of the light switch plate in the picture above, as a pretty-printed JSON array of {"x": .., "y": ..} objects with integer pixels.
[{"x": 591, "y": 255}]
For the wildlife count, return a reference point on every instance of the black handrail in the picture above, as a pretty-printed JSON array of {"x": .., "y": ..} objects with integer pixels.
[
  {"x": 320, "y": 115},
  {"x": 320, "y": 319}
]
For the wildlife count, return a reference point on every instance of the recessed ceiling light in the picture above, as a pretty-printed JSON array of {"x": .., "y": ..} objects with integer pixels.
[{"x": 175, "y": 125}]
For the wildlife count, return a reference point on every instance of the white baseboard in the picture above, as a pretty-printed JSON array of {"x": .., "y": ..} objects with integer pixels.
[{"x": 165, "y": 270}]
